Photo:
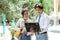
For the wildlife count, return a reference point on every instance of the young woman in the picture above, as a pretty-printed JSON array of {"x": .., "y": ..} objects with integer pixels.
[{"x": 20, "y": 24}]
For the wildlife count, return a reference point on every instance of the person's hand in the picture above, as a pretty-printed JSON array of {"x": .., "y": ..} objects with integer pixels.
[{"x": 24, "y": 32}]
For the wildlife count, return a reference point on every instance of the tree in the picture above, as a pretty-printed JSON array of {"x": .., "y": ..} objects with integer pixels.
[{"x": 13, "y": 8}]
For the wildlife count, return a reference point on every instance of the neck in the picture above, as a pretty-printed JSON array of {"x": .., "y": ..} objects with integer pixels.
[
  {"x": 26, "y": 19},
  {"x": 40, "y": 14}
]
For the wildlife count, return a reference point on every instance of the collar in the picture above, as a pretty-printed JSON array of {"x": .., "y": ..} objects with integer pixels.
[{"x": 41, "y": 14}]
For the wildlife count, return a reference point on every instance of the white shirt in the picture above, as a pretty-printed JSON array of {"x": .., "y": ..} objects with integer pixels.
[
  {"x": 33, "y": 37},
  {"x": 44, "y": 21},
  {"x": 22, "y": 20}
]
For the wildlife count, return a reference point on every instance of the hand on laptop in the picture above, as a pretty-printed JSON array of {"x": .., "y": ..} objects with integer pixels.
[{"x": 23, "y": 32}]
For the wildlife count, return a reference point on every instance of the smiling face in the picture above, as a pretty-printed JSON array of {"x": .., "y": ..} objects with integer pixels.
[
  {"x": 39, "y": 8},
  {"x": 25, "y": 16},
  {"x": 39, "y": 11}
]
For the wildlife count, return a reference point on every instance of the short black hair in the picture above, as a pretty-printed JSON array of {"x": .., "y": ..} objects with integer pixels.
[
  {"x": 39, "y": 6},
  {"x": 34, "y": 28},
  {"x": 23, "y": 12}
]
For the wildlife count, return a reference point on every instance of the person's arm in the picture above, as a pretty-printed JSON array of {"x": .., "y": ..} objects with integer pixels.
[{"x": 46, "y": 24}]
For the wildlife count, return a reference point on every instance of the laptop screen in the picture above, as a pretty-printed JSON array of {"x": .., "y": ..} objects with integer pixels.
[{"x": 32, "y": 25}]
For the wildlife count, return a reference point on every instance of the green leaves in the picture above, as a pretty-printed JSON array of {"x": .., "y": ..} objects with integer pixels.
[
  {"x": 13, "y": 8},
  {"x": 48, "y": 6}
]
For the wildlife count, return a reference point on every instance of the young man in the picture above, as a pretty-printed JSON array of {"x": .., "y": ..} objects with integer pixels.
[
  {"x": 20, "y": 24},
  {"x": 43, "y": 21}
]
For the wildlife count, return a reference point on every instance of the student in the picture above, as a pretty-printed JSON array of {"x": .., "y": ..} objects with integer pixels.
[
  {"x": 20, "y": 24},
  {"x": 43, "y": 20},
  {"x": 33, "y": 36},
  {"x": 24, "y": 19}
]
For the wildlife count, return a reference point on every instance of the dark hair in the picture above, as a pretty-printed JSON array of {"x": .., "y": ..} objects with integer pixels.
[
  {"x": 39, "y": 6},
  {"x": 23, "y": 12},
  {"x": 34, "y": 28}
]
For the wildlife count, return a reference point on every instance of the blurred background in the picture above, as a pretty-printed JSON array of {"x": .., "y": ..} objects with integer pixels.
[{"x": 12, "y": 9}]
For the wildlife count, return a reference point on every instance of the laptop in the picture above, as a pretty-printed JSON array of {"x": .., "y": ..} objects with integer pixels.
[{"x": 32, "y": 25}]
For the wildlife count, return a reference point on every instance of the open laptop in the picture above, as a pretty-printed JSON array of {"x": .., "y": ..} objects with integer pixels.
[{"x": 34, "y": 25}]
